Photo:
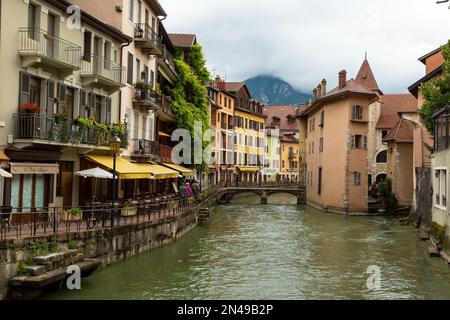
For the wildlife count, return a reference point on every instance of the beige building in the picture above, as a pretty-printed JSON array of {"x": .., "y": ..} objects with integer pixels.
[{"x": 53, "y": 74}]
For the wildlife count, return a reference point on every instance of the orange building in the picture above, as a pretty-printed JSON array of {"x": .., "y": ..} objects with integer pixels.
[{"x": 337, "y": 146}]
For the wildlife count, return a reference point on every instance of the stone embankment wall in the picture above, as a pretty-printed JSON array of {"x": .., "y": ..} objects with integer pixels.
[{"x": 107, "y": 246}]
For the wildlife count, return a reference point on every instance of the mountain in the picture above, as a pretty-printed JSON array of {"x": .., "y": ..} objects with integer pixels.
[{"x": 274, "y": 91}]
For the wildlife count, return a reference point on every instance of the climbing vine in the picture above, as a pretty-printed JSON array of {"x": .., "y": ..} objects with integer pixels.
[
  {"x": 436, "y": 92},
  {"x": 189, "y": 103}
]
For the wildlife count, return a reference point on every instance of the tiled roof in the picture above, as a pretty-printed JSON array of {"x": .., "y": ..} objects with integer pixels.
[
  {"x": 366, "y": 78},
  {"x": 282, "y": 112},
  {"x": 181, "y": 40},
  {"x": 288, "y": 139},
  {"x": 403, "y": 131},
  {"x": 392, "y": 105},
  {"x": 233, "y": 87}
]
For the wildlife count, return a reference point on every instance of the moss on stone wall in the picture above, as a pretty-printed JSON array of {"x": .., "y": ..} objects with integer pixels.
[{"x": 438, "y": 232}]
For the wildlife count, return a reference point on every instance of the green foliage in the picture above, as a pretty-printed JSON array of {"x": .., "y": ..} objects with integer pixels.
[
  {"x": 389, "y": 200},
  {"x": 436, "y": 92},
  {"x": 189, "y": 103},
  {"x": 36, "y": 249},
  {"x": 72, "y": 245},
  {"x": 438, "y": 231},
  {"x": 76, "y": 212}
]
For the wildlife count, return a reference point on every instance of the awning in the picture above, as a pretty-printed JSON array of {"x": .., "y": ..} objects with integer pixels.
[
  {"x": 248, "y": 169},
  {"x": 125, "y": 169},
  {"x": 163, "y": 134},
  {"x": 34, "y": 168},
  {"x": 3, "y": 156},
  {"x": 5, "y": 174},
  {"x": 184, "y": 171},
  {"x": 158, "y": 172}
]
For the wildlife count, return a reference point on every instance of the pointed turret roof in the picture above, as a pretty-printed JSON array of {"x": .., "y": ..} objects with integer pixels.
[{"x": 366, "y": 78}]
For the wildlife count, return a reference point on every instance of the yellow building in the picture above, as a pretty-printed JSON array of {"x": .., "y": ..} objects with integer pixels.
[
  {"x": 289, "y": 158},
  {"x": 272, "y": 158}
]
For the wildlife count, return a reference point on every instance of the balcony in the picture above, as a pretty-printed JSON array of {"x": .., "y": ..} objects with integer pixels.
[
  {"x": 167, "y": 64},
  {"x": 42, "y": 129},
  {"x": 145, "y": 148},
  {"x": 37, "y": 47},
  {"x": 165, "y": 111},
  {"x": 147, "y": 39},
  {"x": 146, "y": 98},
  {"x": 103, "y": 72}
]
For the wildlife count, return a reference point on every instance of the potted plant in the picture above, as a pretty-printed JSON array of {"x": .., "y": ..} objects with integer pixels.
[
  {"x": 172, "y": 204},
  {"x": 102, "y": 133},
  {"x": 128, "y": 211},
  {"x": 30, "y": 108},
  {"x": 74, "y": 214}
]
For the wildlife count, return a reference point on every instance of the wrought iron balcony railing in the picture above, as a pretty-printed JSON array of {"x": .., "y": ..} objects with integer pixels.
[
  {"x": 143, "y": 147},
  {"x": 51, "y": 49},
  {"x": 147, "y": 37},
  {"x": 35, "y": 127}
]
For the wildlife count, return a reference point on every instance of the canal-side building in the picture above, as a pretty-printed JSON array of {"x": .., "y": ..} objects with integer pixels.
[
  {"x": 60, "y": 98},
  {"x": 433, "y": 62},
  {"x": 222, "y": 122},
  {"x": 289, "y": 158},
  {"x": 337, "y": 146},
  {"x": 249, "y": 124},
  {"x": 272, "y": 158}
]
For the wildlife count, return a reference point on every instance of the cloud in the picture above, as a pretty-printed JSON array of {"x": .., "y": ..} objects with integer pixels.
[{"x": 304, "y": 41}]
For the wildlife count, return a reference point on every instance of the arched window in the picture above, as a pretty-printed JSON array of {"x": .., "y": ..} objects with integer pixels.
[{"x": 382, "y": 157}]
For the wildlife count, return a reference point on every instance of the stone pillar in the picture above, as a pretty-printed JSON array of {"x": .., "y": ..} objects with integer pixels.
[{"x": 264, "y": 198}]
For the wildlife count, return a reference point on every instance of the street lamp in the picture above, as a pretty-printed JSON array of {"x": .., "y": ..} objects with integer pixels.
[{"x": 114, "y": 146}]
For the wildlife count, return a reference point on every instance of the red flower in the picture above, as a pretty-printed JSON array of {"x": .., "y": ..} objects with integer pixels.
[{"x": 31, "y": 108}]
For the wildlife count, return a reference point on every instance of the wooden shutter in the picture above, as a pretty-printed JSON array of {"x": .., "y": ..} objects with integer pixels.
[
  {"x": 365, "y": 142},
  {"x": 82, "y": 108},
  {"x": 62, "y": 90},
  {"x": 50, "y": 110},
  {"x": 352, "y": 142},
  {"x": 103, "y": 110},
  {"x": 93, "y": 106},
  {"x": 25, "y": 86},
  {"x": 108, "y": 110}
]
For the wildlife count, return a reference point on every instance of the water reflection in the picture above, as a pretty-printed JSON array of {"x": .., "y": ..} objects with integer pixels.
[{"x": 252, "y": 251}]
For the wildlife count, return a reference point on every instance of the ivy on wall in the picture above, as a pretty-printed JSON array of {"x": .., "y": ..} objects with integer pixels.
[
  {"x": 189, "y": 103},
  {"x": 436, "y": 92}
]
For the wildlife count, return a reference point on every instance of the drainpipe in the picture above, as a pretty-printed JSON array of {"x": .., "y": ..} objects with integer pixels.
[{"x": 124, "y": 45}]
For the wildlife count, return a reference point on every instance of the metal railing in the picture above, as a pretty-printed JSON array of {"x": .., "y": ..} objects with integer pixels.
[
  {"x": 99, "y": 66},
  {"x": 33, "y": 126},
  {"x": 144, "y": 32},
  {"x": 144, "y": 94},
  {"x": 34, "y": 41},
  {"x": 166, "y": 105},
  {"x": 35, "y": 222},
  {"x": 168, "y": 59},
  {"x": 145, "y": 147}
]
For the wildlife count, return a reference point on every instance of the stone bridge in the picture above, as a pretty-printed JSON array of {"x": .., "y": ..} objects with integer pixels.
[{"x": 226, "y": 194}]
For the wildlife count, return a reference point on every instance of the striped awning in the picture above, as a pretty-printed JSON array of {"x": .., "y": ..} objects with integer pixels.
[{"x": 124, "y": 169}]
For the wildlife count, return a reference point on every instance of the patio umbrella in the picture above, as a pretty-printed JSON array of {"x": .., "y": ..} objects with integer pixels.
[{"x": 96, "y": 173}]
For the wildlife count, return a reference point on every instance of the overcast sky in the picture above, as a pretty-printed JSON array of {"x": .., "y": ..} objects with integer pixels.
[{"x": 304, "y": 41}]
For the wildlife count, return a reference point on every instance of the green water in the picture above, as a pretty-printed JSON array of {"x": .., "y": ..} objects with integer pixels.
[{"x": 252, "y": 251}]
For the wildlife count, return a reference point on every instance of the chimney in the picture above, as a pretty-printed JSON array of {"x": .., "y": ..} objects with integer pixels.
[
  {"x": 219, "y": 83},
  {"x": 324, "y": 87},
  {"x": 319, "y": 91},
  {"x": 342, "y": 79}
]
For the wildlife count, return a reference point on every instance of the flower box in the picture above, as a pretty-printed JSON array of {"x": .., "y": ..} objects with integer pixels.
[
  {"x": 71, "y": 216},
  {"x": 128, "y": 212}
]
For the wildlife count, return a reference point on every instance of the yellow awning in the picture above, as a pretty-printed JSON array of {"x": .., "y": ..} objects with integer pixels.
[
  {"x": 248, "y": 169},
  {"x": 181, "y": 169},
  {"x": 158, "y": 172},
  {"x": 125, "y": 169}
]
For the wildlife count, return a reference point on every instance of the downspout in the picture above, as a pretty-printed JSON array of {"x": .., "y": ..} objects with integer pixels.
[{"x": 124, "y": 45}]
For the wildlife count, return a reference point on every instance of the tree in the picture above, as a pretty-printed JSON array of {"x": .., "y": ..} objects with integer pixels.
[
  {"x": 436, "y": 92},
  {"x": 189, "y": 95}
]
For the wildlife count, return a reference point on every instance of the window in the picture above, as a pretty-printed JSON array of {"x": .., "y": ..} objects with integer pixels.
[
  {"x": 87, "y": 46},
  {"x": 136, "y": 125},
  {"x": 357, "y": 113},
  {"x": 138, "y": 70},
  {"x": 358, "y": 142},
  {"x": 139, "y": 13},
  {"x": 319, "y": 191},
  {"x": 144, "y": 127},
  {"x": 107, "y": 55},
  {"x": 321, "y": 145},
  {"x": 440, "y": 188},
  {"x": 384, "y": 133},
  {"x": 382, "y": 157},
  {"x": 322, "y": 118},
  {"x": 32, "y": 21},
  {"x": 130, "y": 69},
  {"x": 357, "y": 178},
  {"x": 130, "y": 10}
]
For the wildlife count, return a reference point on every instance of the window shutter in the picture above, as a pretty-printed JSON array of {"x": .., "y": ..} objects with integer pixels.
[
  {"x": 92, "y": 105},
  {"x": 108, "y": 110},
  {"x": 103, "y": 110},
  {"x": 82, "y": 110},
  {"x": 365, "y": 142},
  {"x": 50, "y": 110},
  {"x": 25, "y": 80},
  {"x": 352, "y": 142},
  {"x": 61, "y": 98}
]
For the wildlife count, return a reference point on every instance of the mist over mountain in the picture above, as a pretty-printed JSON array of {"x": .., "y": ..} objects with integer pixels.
[{"x": 275, "y": 91}]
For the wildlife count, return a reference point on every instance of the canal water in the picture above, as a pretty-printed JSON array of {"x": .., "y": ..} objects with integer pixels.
[{"x": 277, "y": 251}]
